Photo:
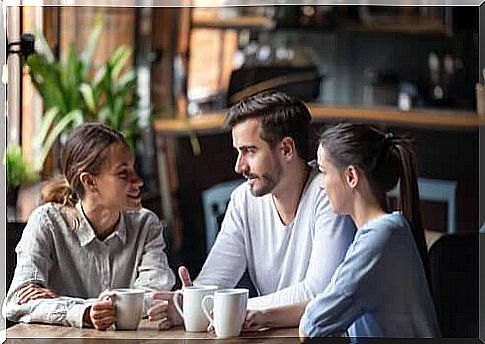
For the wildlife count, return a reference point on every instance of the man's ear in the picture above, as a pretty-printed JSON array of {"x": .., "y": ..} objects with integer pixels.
[
  {"x": 352, "y": 176},
  {"x": 287, "y": 147},
  {"x": 88, "y": 181}
]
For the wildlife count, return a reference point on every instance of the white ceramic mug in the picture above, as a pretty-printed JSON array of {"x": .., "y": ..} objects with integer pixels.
[
  {"x": 194, "y": 319},
  {"x": 229, "y": 311},
  {"x": 129, "y": 308}
]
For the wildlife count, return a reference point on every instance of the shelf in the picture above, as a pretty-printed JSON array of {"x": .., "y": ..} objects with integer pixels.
[
  {"x": 452, "y": 119},
  {"x": 263, "y": 23},
  {"x": 237, "y": 23},
  {"x": 395, "y": 28}
]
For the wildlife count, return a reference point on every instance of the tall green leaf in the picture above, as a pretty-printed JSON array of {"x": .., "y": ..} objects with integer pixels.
[
  {"x": 74, "y": 118},
  {"x": 46, "y": 78},
  {"x": 47, "y": 122},
  {"x": 88, "y": 96},
  {"x": 88, "y": 53},
  {"x": 119, "y": 59}
]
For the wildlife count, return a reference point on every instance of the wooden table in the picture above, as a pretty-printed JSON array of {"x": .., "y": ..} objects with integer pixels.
[{"x": 147, "y": 332}]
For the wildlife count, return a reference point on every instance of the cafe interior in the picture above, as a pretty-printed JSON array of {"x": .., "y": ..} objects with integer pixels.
[{"x": 407, "y": 69}]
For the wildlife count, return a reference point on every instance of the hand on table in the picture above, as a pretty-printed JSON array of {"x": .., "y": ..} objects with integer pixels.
[
  {"x": 256, "y": 320},
  {"x": 166, "y": 311},
  {"x": 34, "y": 292},
  {"x": 102, "y": 313}
]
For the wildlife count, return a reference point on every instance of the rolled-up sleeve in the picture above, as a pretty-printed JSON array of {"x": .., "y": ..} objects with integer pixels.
[{"x": 154, "y": 272}]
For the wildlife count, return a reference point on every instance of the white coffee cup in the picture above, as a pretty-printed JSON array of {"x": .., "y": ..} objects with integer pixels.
[
  {"x": 194, "y": 319},
  {"x": 229, "y": 311},
  {"x": 129, "y": 308}
]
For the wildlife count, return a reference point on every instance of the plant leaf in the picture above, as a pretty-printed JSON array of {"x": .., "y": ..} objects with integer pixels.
[
  {"x": 42, "y": 47},
  {"x": 88, "y": 53},
  {"x": 119, "y": 59},
  {"x": 46, "y": 78},
  {"x": 46, "y": 123},
  {"x": 88, "y": 96},
  {"x": 75, "y": 116}
]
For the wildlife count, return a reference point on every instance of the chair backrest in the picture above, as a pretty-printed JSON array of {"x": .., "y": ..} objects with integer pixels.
[
  {"x": 437, "y": 190},
  {"x": 454, "y": 276},
  {"x": 214, "y": 202}
]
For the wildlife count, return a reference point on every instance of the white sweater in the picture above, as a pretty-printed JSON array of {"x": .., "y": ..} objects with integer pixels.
[{"x": 286, "y": 263}]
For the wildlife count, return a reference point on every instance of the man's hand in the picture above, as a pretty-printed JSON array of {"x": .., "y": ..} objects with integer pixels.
[
  {"x": 185, "y": 276},
  {"x": 34, "y": 292},
  {"x": 165, "y": 311},
  {"x": 256, "y": 320}
]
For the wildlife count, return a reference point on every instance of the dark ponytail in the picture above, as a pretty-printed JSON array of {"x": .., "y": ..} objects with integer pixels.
[{"x": 409, "y": 201}]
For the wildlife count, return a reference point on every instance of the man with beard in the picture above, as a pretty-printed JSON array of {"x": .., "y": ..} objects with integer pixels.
[{"x": 279, "y": 224}]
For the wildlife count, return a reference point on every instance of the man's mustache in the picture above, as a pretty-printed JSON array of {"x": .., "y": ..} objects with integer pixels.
[{"x": 249, "y": 175}]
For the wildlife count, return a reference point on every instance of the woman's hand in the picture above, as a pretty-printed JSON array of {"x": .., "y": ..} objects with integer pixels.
[
  {"x": 164, "y": 311},
  {"x": 102, "y": 313},
  {"x": 256, "y": 320},
  {"x": 34, "y": 292}
]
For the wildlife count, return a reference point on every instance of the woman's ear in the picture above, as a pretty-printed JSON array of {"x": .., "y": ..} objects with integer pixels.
[
  {"x": 88, "y": 181},
  {"x": 352, "y": 176},
  {"x": 287, "y": 147}
]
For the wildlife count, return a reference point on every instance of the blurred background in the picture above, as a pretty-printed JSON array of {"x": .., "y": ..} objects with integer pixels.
[{"x": 164, "y": 77}]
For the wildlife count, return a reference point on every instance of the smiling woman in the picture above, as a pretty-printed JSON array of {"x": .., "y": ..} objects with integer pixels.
[{"x": 91, "y": 235}]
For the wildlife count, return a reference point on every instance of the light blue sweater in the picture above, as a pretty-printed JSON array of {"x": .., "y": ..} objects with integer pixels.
[{"x": 379, "y": 290}]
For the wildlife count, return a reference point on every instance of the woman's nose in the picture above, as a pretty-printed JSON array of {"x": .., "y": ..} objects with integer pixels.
[{"x": 137, "y": 181}]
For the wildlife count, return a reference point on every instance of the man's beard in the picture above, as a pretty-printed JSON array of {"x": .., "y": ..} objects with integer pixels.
[{"x": 268, "y": 182}]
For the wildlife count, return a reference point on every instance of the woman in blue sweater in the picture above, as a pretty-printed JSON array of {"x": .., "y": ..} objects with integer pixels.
[{"x": 381, "y": 288}]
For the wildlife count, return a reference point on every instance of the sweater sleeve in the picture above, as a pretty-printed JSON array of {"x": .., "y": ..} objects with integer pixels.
[
  {"x": 226, "y": 262},
  {"x": 351, "y": 291},
  {"x": 154, "y": 273}
]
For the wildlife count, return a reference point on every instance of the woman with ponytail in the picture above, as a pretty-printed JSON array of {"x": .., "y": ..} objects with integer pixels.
[
  {"x": 89, "y": 236},
  {"x": 381, "y": 288}
]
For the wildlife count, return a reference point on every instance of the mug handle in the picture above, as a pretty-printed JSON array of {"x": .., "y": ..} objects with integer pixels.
[
  {"x": 176, "y": 303},
  {"x": 204, "y": 309}
]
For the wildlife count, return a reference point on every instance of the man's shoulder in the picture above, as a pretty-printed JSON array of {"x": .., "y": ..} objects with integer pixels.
[{"x": 314, "y": 189}]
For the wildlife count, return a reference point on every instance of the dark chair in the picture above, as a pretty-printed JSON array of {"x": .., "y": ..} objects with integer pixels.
[
  {"x": 14, "y": 233},
  {"x": 454, "y": 276}
]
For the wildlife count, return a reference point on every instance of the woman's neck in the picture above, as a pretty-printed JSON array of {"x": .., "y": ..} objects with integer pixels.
[
  {"x": 365, "y": 207},
  {"x": 362, "y": 215},
  {"x": 102, "y": 220}
]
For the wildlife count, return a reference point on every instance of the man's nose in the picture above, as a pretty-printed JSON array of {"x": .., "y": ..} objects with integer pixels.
[{"x": 241, "y": 165}]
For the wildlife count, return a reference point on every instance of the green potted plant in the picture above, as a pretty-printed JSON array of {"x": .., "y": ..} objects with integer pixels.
[
  {"x": 73, "y": 93},
  {"x": 19, "y": 172}
]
